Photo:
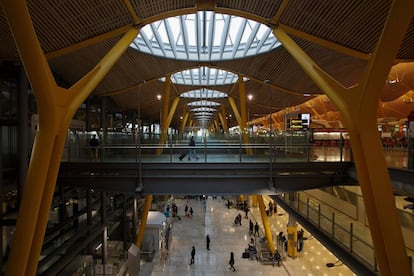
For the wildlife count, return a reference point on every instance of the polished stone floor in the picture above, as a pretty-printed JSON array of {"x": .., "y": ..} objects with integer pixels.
[{"x": 216, "y": 220}]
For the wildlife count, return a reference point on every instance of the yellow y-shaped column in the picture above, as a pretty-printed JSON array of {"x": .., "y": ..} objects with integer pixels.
[
  {"x": 222, "y": 117},
  {"x": 266, "y": 224},
  {"x": 358, "y": 107},
  {"x": 164, "y": 114},
  {"x": 144, "y": 217},
  {"x": 239, "y": 117},
  {"x": 243, "y": 111},
  {"x": 184, "y": 122},
  {"x": 56, "y": 108}
]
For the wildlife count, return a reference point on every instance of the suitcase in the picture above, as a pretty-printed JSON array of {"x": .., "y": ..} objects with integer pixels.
[
  {"x": 182, "y": 155},
  {"x": 246, "y": 255}
]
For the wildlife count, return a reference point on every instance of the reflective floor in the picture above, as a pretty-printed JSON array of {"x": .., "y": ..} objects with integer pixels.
[{"x": 216, "y": 220}]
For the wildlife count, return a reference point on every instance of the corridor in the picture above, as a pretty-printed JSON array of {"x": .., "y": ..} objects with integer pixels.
[{"x": 217, "y": 221}]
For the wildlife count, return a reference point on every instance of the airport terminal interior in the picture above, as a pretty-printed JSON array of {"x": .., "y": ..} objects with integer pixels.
[{"x": 207, "y": 137}]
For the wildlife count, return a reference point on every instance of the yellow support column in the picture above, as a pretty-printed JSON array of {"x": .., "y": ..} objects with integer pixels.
[
  {"x": 243, "y": 117},
  {"x": 292, "y": 237},
  {"x": 216, "y": 126},
  {"x": 358, "y": 108},
  {"x": 164, "y": 114},
  {"x": 143, "y": 224},
  {"x": 222, "y": 117},
  {"x": 254, "y": 201},
  {"x": 266, "y": 224},
  {"x": 184, "y": 122},
  {"x": 172, "y": 110},
  {"x": 235, "y": 109},
  {"x": 56, "y": 108}
]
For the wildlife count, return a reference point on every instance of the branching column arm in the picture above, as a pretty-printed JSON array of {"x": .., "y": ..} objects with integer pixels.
[
  {"x": 243, "y": 111},
  {"x": 184, "y": 122},
  {"x": 222, "y": 117},
  {"x": 358, "y": 108},
  {"x": 56, "y": 108},
  {"x": 143, "y": 223},
  {"x": 216, "y": 126},
  {"x": 235, "y": 110},
  {"x": 68, "y": 103},
  {"x": 172, "y": 110},
  {"x": 266, "y": 224},
  {"x": 164, "y": 114}
]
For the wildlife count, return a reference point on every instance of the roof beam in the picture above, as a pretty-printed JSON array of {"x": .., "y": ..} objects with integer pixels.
[
  {"x": 88, "y": 42},
  {"x": 263, "y": 39},
  {"x": 251, "y": 37},
  {"x": 132, "y": 12},
  {"x": 147, "y": 42},
  {"x": 324, "y": 43},
  {"x": 211, "y": 33},
  {"x": 224, "y": 35},
  {"x": 170, "y": 37},
  {"x": 158, "y": 37},
  {"x": 185, "y": 35},
  {"x": 275, "y": 19},
  {"x": 239, "y": 36}
]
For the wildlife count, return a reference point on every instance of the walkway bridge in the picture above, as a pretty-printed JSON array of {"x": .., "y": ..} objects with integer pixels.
[
  {"x": 205, "y": 178},
  {"x": 223, "y": 167}
]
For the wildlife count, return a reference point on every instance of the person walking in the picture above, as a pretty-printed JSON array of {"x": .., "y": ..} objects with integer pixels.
[
  {"x": 276, "y": 258},
  {"x": 208, "y": 242},
  {"x": 94, "y": 143},
  {"x": 251, "y": 226},
  {"x": 231, "y": 262},
  {"x": 191, "y": 212},
  {"x": 192, "y": 152},
  {"x": 246, "y": 211},
  {"x": 186, "y": 210},
  {"x": 256, "y": 229},
  {"x": 193, "y": 252}
]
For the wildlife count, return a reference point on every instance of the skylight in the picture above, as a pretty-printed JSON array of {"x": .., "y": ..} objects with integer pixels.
[
  {"x": 205, "y": 36},
  {"x": 203, "y": 103},
  {"x": 204, "y": 76},
  {"x": 203, "y": 109},
  {"x": 203, "y": 94}
]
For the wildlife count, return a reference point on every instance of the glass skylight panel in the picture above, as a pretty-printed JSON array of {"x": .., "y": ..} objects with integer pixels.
[
  {"x": 208, "y": 114},
  {"x": 203, "y": 109},
  {"x": 203, "y": 103},
  {"x": 203, "y": 94},
  {"x": 204, "y": 76},
  {"x": 205, "y": 36}
]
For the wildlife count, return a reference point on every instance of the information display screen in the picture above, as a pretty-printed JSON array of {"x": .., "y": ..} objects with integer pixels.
[{"x": 299, "y": 122}]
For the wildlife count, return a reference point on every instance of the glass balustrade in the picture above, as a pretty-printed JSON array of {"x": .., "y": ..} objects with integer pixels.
[
  {"x": 125, "y": 147},
  {"x": 352, "y": 235}
]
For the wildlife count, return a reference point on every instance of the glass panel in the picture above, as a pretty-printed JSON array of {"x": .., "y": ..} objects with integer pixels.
[{"x": 205, "y": 33}]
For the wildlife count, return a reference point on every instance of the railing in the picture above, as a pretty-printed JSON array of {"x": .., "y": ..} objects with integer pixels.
[
  {"x": 123, "y": 147},
  {"x": 350, "y": 234}
]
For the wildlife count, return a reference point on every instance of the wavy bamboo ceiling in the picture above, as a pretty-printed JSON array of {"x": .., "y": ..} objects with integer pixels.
[{"x": 338, "y": 35}]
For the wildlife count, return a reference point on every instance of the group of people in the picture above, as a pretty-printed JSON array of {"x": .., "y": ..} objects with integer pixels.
[
  {"x": 276, "y": 257},
  {"x": 272, "y": 209},
  {"x": 174, "y": 211},
  {"x": 188, "y": 211}
]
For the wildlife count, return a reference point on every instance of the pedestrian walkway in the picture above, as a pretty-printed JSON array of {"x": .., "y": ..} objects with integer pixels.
[{"x": 216, "y": 220}]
